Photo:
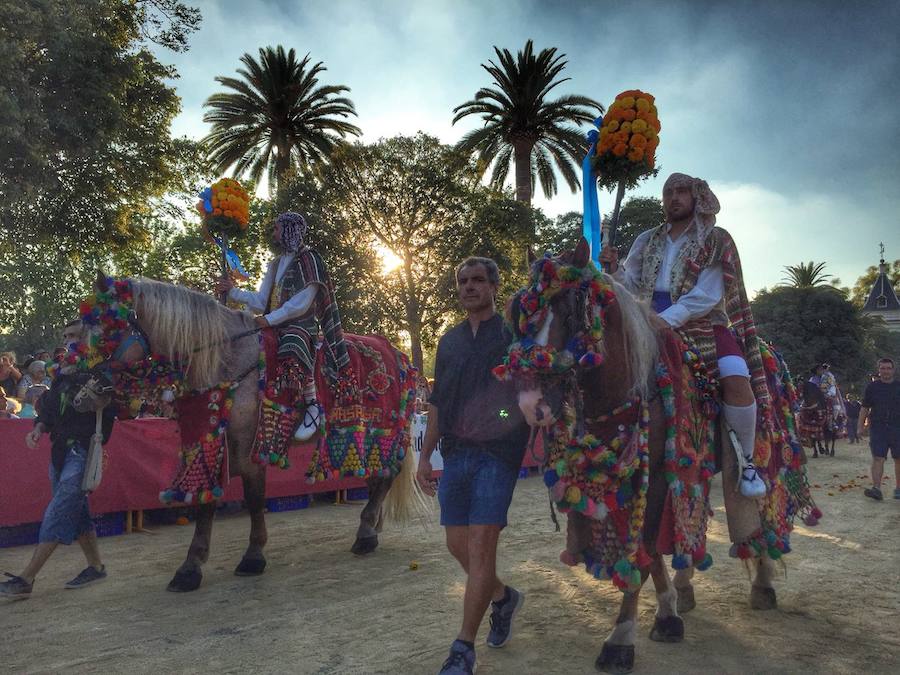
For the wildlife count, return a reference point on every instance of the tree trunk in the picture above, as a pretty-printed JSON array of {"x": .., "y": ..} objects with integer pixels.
[
  {"x": 522, "y": 155},
  {"x": 282, "y": 165},
  {"x": 413, "y": 314}
]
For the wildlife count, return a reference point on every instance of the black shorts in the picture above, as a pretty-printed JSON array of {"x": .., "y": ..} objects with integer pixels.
[{"x": 883, "y": 438}]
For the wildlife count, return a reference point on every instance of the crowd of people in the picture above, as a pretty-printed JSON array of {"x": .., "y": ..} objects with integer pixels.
[{"x": 23, "y": 384}]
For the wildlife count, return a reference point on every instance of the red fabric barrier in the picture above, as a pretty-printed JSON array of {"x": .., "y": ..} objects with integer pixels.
[{"x": 142, "y": 457}]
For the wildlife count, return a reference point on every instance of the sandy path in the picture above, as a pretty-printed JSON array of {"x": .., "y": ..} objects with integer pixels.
[{"x": 319, "y": 609}]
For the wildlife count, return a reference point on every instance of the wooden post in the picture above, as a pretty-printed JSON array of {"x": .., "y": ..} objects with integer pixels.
[
  {"x": 223, "y": 298},
  {"x": 609, "y": 232}
]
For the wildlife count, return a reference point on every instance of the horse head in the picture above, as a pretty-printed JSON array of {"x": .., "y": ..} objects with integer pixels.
[{"x": 558, "y": 322}]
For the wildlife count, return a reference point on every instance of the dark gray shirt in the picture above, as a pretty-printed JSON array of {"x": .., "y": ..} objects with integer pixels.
[
  {"x": 883, "y": 401},
  {"x": 473, "y": 406}
]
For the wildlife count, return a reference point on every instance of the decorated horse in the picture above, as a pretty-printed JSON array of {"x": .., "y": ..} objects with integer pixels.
[
  {"x": 813, "y": 418},
  {"x": 149, "y": 337},
  {"x": 633, "y": 437}
]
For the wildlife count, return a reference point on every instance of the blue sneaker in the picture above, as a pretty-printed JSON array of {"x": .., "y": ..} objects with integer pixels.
[
  {"x": 461, "y": 660},
  {"x": 502, "y": 614},
  {"x": 88, "y": 575}
]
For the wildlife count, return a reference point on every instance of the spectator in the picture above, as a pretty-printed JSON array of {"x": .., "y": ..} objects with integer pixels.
[
  {"x": 853, "y": 406},
  {"x": 881, "y": 407},
  {"x": 42, "y": 355},
  {"x": 35, "y": 376},
  {"x": 59, "y": 354},
  {"x": 9, "y": 374},
  {"x": 8, "y": 406}
]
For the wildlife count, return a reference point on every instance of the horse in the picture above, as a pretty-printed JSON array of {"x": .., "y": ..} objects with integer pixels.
[
  {"x": 214, "y": 344},
  {"x": 815, "y": 431},
  {"x": 588, "y": 351}
]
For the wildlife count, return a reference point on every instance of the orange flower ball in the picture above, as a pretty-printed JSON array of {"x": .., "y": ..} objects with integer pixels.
[
  {"x": 636, "y": 154},
  {"x": 637, "y": 141},
  {"x": 629, "y": 114},
  {"x": 620, "y": 149}
]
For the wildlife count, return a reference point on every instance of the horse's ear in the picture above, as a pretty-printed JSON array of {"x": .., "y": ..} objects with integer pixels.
[
  {"x": 531, "y": 256},
  {"x": 582, "y": 253},
  {"x": 101, "y": 284}
]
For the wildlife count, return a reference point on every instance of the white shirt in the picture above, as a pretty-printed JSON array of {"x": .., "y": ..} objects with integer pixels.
[
  {"x": 296, "y": 307},
  {"x": 698, "y": 302}
]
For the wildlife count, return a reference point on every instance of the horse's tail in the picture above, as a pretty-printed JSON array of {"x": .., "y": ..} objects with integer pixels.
[{"x": 405, "y": 501}]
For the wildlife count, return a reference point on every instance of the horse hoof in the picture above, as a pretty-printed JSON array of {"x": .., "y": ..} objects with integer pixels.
[
  {"x": 669, "y": 629},
  {"x": 185, "y": 582},
  {"x": 615, "y": 659},
  {"x": 250, "y": 567},
  {"x": 763, "y": 598},
  {"x": 686, "y": 601},
  {"x": 364, "y": 545}
]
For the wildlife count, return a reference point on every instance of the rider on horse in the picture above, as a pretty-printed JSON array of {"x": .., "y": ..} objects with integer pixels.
[
  {"x": 296, "y": 299},
  {"x": 690, "y": 272}
]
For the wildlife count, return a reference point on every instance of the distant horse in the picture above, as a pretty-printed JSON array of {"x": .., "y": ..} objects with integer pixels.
[
  {"x": 221, "y": 345},
  {"x": 586, "y": 361},
  {"x": 814, "y": 431}
]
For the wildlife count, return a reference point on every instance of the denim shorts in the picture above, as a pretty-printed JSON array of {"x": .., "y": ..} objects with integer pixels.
[
  {"x": 476, "y": 487},
  {"x": 882, "y": 438},
  {"x": 67, "y": 516}
]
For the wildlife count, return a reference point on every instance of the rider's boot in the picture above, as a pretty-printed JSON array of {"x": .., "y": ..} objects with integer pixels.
[
  {"x": 313, "y": 415},
  {"x": 742, "y": 422}
]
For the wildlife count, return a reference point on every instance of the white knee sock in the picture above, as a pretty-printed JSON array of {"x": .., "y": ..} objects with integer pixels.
[
  {"x": 743, "y": 420},
  {"x": 309, "y": 391}
]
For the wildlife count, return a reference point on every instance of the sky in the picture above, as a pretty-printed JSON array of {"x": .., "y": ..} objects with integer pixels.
[{"x": 788, "y": 109}]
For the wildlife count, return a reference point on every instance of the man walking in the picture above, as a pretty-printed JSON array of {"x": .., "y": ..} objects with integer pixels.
[
  {"x": 881, "y": 407},
  {"x": 483, "y": 437},
  {"x": 67, "y": 517}
]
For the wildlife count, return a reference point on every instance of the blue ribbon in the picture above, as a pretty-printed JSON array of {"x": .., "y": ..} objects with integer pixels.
[
  {"x": 232, "y": 260},
  {"x": 591, "y": 215}
]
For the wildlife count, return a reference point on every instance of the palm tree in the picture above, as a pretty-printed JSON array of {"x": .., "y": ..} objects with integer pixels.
[
  {"x": 277, "y": 114},
  {"x": 522, "y": 126},
  {"x": 806, "y": 275}
]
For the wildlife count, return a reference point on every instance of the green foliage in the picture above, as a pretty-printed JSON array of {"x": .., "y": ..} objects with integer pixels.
[
  {"x": 816, "y": 324},
  {"x": 806, "y": 275},
  {"x": 421, "y": 201},
  {"x": 277, "y": 116},
  {"x": 86, "y": 156},
  {"x": 638, "y": 214},
  {"x": 863, "y": 285},
  {"x": 522, "y": 128},
  {"x": 84, "y": 120}
]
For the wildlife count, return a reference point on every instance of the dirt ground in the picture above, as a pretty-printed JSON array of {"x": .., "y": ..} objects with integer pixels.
[{"x": 318, "y": 609}]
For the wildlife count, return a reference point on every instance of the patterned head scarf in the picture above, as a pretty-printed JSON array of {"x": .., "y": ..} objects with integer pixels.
[
  {"x": 706, "y": 205},
  {"x": 293, "y": 230}
]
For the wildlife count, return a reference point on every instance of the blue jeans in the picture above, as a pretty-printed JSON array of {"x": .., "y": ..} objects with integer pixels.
[
  {"x": 476, "y": 487},
  {"x": 67, "y": 516}
]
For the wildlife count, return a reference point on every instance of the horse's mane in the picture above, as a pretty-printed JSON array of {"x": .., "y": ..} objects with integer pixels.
[
  {"x": 177, "y": 321},
  {"x": 641, "y": 346}
]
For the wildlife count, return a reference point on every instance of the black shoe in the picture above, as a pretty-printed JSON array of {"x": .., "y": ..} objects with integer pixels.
[
  {"x": 874, "y": 493},
  {"x": 461, "y": 660},
  {"x": 88, "y": 575},
  {"x": 16, "y": 587},
  {"x": 502, "y": 614}
]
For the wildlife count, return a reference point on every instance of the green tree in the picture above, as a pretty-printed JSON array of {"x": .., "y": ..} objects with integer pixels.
[
  {"x": 420, "y": 201},
  {"x": 86, "y": 155},
  {"x": 277, "y": 115},
  {"x": 522, "y": 127},
  {"x": 863, "y": 285},
  {"x": 807, "y": 275},
  {"x": 816, "y": 324},
  {"x": 638, "y": 214},
  {"x": 85, "y": 113}
]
